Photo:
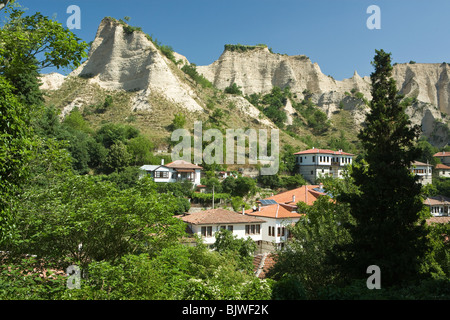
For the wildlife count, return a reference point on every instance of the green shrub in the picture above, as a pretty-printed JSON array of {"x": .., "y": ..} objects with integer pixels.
[
  {"x": 233, "y": 89},
  {"x": 191, "y": 71}
]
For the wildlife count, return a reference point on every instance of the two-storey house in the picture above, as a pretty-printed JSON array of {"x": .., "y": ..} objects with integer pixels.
[{"x": 315, "y": 163}]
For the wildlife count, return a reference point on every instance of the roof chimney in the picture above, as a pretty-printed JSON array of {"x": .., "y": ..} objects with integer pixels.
[
  {"x": 293, "y": 198},
  {"x": 162, "y": 162},
  {"x": 259, "y": 206},
  {"x": 243, "y": 210}
]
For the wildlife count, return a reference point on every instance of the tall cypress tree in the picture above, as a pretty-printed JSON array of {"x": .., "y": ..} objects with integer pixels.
[{"x": 388, "y": 207}]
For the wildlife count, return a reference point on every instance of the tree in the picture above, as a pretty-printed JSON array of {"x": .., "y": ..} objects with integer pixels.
[
  {"x": 140, "y": 149},
  {"x": 226, "y": 241},
  {"x": 387, "y": 208},
  {"x": 16, "y": 143},
  {"x": 23, "y": 40},
  {"x": 29, "y": 44},
  {"x": 178, "y": 122},
  {"x": 305, "y": 256},
  {"x": 81, "y": 219},
  {"x": 118, "y": 157}
]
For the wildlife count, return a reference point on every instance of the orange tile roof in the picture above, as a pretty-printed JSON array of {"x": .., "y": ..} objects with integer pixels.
[
  {"x": 304, "y": 194},
  {"x": 218, "y": 216},
  {"x": 276, "y": 211},
  {"x": 263, "y": 263},
  {"x": 441, "y": 219},
  {"x": 325, "y": 151},
  {"x": 418, "y": 163},
  {"x": 442, "y": 154},
  {"x": 442, "y": 166},
  {"x": 437, "y": 200},
  {"x": 181, "y": 164}
]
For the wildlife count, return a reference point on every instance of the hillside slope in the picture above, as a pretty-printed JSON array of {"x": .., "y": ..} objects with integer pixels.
[{"x": 147, "y": 88}]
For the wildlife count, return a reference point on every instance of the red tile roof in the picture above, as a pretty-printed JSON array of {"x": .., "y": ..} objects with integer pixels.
[
  {"x": 181, "y": 164},
  {"x": 305, "y": 194},
  {"x": 418, "y": 163},
  {"x": 438, "y": 220},
  {"x": 442, "y": 154},
  {"x": 325, "y": 151},
  {"x": 436, "y": 200},
  {"x": 218, "y": 216},
  {"x": 442, "y": 166},
  {"x": 262, "y": 263},
  {"x": 277, "y": 211}
]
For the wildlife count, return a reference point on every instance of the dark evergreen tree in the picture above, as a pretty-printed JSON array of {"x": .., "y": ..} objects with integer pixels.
[{"x": 388, "y": 230}]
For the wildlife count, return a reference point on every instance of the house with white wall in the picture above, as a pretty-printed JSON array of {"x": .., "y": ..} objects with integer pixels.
[
  {"x": 206, "y": 223},
  {"x": 439, "y": 206},
  {"x": 424, "y": 171},
  {"x": 175, "y": 171},
  {"x": 315, "y": 163},
  {"x": 280, "y": 211},
  {"x": 442, "y": 170}
]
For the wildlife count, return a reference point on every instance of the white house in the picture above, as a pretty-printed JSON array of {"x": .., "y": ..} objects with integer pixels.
[
  {"x": 315, "y": 163},
  {"x": 443, "y": 170},
  {"x": 280, "y": 211},
  {"x": 275, "y": 230},
  {"x": 439, "y": 206},
  {"x": 206, "y": 223},
  {"x": 175, "y": 171},
  {"x": 424, "y": 171}
]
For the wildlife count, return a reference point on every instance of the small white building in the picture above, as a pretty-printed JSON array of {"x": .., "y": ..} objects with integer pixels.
[
  {"x": 315, "y": 163},
  {"x": 439, "y": 206},
  {"x": 424, "y": 171},
  {"x": 206, "y": 223},
  {"x": 175, "y": 171},
  {"x": 278, "y": 217},
  {"x": 443, "y": 170}
]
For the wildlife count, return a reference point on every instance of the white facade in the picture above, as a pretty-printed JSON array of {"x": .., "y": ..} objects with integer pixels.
[
  {"x": 423, "y": 171},
  {"x": 443, "y": 171},
  {"x": 207, "y": 232},
  {"x": 165, "y": 174},
  {"x": 275, "y": 230},
  {"x": 316, "y": 163},
  {"x": 439, "y": 206}
]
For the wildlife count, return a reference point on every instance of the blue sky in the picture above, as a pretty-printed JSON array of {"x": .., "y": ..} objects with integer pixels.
[{"x": 332, "y": 33}]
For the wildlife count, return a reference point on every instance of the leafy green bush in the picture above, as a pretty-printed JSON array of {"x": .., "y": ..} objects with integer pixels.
[
  {"x": 288, "y": 288},
  {"x": 243, "y": 48},
  {"x": 233, "y": 89},
  {"x": 191, "y": 71}
]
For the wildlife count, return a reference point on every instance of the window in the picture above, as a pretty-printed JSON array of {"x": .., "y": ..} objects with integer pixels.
[
  {"x": 301, "y": 160},
  {"x": 230, "y": 228},
  {"x": 314, "y": 158},
  {"x": 272, "y": 231},
  {"x": 279, "y": 231},
  {"x": 253, "y": 229},
  {"x": 206, "y": 231},
  {"x": 161, "y": 174}
]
